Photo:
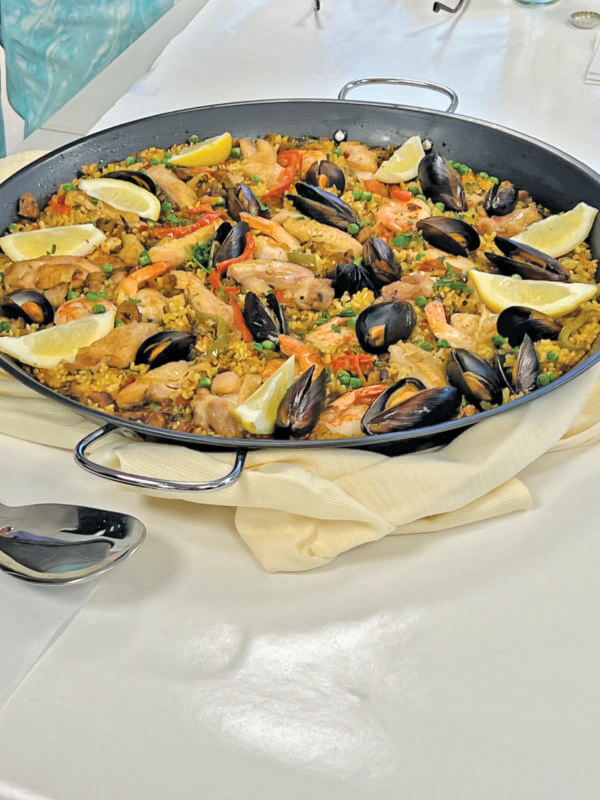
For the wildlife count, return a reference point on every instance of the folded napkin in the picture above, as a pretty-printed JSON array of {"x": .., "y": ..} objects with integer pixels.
[{"x": 592, "y": 75}]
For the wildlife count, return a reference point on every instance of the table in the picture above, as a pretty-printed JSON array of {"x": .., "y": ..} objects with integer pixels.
[{"x": 460, "y": 665}]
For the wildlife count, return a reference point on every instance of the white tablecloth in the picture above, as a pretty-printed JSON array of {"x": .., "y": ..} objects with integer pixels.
[{"x": 460, "y": 665}]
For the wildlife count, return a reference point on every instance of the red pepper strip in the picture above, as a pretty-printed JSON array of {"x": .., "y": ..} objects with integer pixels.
[
  {"x": 375, "y": 187},
  {"x": 291, "y": 161},
  {"x": 214, "y": 279},
  {"x": 353, "y": 362},
  {"x": 240, "y": 323},
  {"x": 245, "y": 256},
  {"x": 279, "y": 296},
  {"x": 183, "y": 230},
  {"x": 143, "y": 227},
  {"x": 400, "y": 194},
  {"x": 231, "y": 290},
  {"x": 58, "y": 205}
]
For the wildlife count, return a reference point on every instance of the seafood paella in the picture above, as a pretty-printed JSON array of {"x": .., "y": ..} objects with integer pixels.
[{"x": 308, "y": 289}]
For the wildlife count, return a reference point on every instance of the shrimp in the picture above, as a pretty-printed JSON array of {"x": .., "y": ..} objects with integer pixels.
[
  {"x": 359, "y": 157},
  {"x": 442, "y": 329},
  {"x": 510, "y": 224},
  {"x": 436, "y": 259},
  {"x": 305, "y": 356},
  {"x": 202, "y": 299},
  {"x": 331, "y": 240},
  {"x": 266, "y": 250},
  {"x": 401, "y": 216},
  {"x": 272, "y": 229},
  {"x": 78, "y": 308},
  {"x": 130, "y": 285},
  {"x": 298, "y": 282},
  {"x": 175, "y": 251},
  {"x": 46, "y": 272},
  {"x": 344, "y": 415},
  {"x": 417, "y": 284},
  {"x": 259, "y": 160},
  {"x": 327, "y": 340}
]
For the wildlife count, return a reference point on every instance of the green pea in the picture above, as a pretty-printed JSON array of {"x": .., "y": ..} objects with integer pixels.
[
  {"x": 144, "y": 258},
  {"x": 93, "y": 296},
  {"x": 118, "y": 322},
  {"x": 355, "y": 383},
  {"x": 107, "y": 269},
  {"x": 422, "y": 197},
  {"x": 129, "y": 161},
  {"x": 357, "y": 194},
  {"x": 494, "y": 179},
  {"x": 72, "y": 294},
  {"x": 421, "y": 301},
  {"x": 440, "y": 206},
  {"x": 220, "y": 201},
  {"x": 483, "y": 175},
  {"x": 4, "y": 326},
  {"x": 353, "y": 228},
  {"x": 99, "y": 308},
  {"x": 268, "y": 345},
  {"x": 255, "y": 179},
  {"x": 516, "y": 277},
  {"x": 338, "y": 151},
  {"x": 166, "y": 207},
  {"x": 204, "y": 383},
  {"x": 366, "y": 196},
  {"x": 543, "y": 380},
  {"x": 425, "y": 346},
  {"x": 12, "y": 227},
  {"x": 193, "y": 139},
  {"x": 498, "y": 340},
  {"x": 68, "y": 187},
  {"x": 235, "y": 152},
  {"x": 551, "y": 376},
  {"x": 414, "y": 189},
  {"x": 443, "y": 343},
  {"x": 257, "y": 346},
  {"x": 552, "y": 355},
  {"x": 344, "y": 377}
]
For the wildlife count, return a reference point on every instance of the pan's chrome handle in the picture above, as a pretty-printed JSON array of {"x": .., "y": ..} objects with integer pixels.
[
  {"x": 435, "y": 87},
  {"x": 151, "y": 483}
]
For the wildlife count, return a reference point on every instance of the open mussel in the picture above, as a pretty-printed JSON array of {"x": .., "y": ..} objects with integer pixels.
[
  {"x": 323, "y": 206},
  {"x": 474, "y": 376},
  {"x": 501, "y": 199},
  {"x": 241, "y": 198},
  {"x": 229, "y": 242},
  {"x": 450, "y": 235},
  {"x": 325, "y": 173},
  {"x": 164, "y": 347},
  {"x": 352, "y": 278},
  {"x": 526, "y": 368},
  {"x": 265, "y": 323},
  {"x": 516, "y": 321},
  {"x": 408, "y": 404},
  {"x": 30, "y": 306},
  {"x": 441, "y": 183},
  {"x": 383, "y": 324},
  {"x": 133, "y": 176},
  {"x": 529, "y": 263},
  {"x": 379, "y": 257},
  {"x": 302, "y": 404}
]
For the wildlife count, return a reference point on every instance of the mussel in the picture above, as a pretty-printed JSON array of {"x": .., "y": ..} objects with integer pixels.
[
  {"x": 516, "y": 321},
  {"x": 322, "y": 206},
  {"x": 229, "y": 242},
  {"x": 383, "y": 324},
  {"x": 441, "y": 183},
  {"x": 242, "y": 198},
  {"x": 529, "y": 263},
  {"x": 302, "y": 404},
  {"x": 27, "y": 305},
  {"x": 474, "y": 376},
  {"x": 501, "y": 199},
  {"x": 325, "y": 173},
  {"x": 379, "y": 257},
  {"x": 408, "y": 404},
  {"x": 133, "y": 176},
  {"x": 265, "y": 323},
  {"x": 164, "y": 347},
  {"x": 526, "y": 368},
  {"x": 449, "y": 234},
  {"x": 352, "y": 278}
]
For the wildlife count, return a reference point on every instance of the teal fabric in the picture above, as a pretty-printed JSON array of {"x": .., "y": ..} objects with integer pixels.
[{"x": 55, "y": 47}]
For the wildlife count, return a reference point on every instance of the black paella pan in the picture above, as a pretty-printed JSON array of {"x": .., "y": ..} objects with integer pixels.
[{"x": 555, "y": 179}]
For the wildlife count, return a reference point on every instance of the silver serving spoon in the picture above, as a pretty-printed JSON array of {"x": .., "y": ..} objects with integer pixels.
[{"x": 56, "y": 543}]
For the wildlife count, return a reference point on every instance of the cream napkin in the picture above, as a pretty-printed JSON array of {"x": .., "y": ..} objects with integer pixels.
[{"x": 592, "y": 75}]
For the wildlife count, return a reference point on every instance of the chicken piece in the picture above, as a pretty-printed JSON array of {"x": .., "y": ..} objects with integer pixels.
[
  {"x": 201, "y": 298},
  {"x": 478, "y": 328},
  {"x": 419, "y": 363},
  {"x": 299, "y": 283},
  {"x": 151, "y": 304},
  {"x": 435, "y": 261},
  {"x": 46, "y": 272},
  {"x": 331, "y": 240},
  {"x": 118, "y": 348},
  {"x": 266, "y": 250},
  {"x": 178, "y": 192},
  {"x": 417, "y": 284},
  {"x": 359, "y": 157},
  {"x": 174, "y": 251},
  {"x": 131, "y": 250},
  {"x": 155, "y": 385},
  {"x": 215, "y": 412},
  {"x": 57, "y": 294},
  {"x": 259, "y": 160},
  {"x": 509, "y": 225},
  {"x": 28, "y": 206},
  {"x": 84, "y": 393},
  {"x": 250, "y": 383}
]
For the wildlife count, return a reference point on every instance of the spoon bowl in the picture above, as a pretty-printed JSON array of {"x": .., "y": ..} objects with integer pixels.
[{"x": 56, "y": 543}]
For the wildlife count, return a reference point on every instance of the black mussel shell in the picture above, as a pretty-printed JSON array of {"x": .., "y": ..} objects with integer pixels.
[
  {"x": 449, "y": 234},
  {"x": 352, "y": 278},
  {"x": 379, "y": 256},
  {"x": 335, "y": 176},
  {"x": 476, "y": 378},
  {"x": 164, "y": 347},
  {"x": 302, "y": 404},
  {"x": 383, "y": 324},
  {"x": 441, "y": 183},
  {"x": 232, "y": 245},
  {"x": 526, "y": 368},
  {"x": 28, "y": 305},
  {"x": 265, "y": 323},
  {"x": 133, "y": 176},
  {"x": 242, "y": 198},
  {"x": 529, "y": 263},
  {"x": 516, "y": 321},
  {"x": 501, "y": 199},
  {"x": 323, "y": 206},
  {"x": 423, "y": 408},
  {"x": 393, "y": 395}
]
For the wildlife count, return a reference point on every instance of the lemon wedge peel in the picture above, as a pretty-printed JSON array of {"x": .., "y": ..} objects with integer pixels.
[
  {"x": 259, "y": 412},
  {"x": 205, "y": 153},
  {"x": 403, "y": 164},
  {"x": 65, "y": 240},
  {"x": 48, "y": 347},
  {"x": 123, "y": 195},
  {"x": 559, "y": 233},
  {"x": 554, "y": 298}
]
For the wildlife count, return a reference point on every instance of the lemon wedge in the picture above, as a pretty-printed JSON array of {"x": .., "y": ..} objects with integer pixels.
[
  {"x": 205, "y": 153},
  {"x": 66, "y": 240},
  {"x": 259, "y": 412},
  {"x": 560, "y": 233},
  {"x": 49, "y": 347},
  {"x": 403, "y": 164},
  {"x": 551, "y": 297},
  {"x": 123, "y": 195}
]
